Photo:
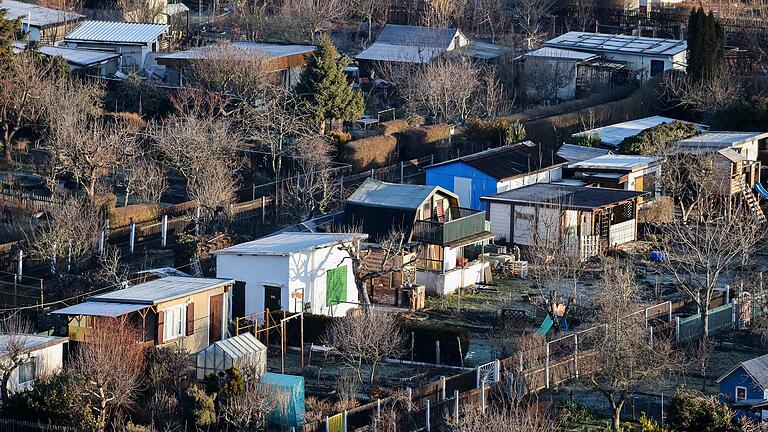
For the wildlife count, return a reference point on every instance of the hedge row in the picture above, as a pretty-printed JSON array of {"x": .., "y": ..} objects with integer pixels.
[
  {"x": 123, "y": 216},
  {"x": 422, "y": 141},
  {"x": 371, "y": 152}
]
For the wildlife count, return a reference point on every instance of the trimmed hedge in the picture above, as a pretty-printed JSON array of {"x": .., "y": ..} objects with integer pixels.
[
  {"x": 418, "y": 142},
  {"x": 394, "y": 126},
  {"x": 123, "y": 216},
  {"x": 371, "y": 152}
]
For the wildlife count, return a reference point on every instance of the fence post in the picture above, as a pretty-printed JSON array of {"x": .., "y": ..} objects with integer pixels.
[
  {"x": 456, "y": 405},
  {"x": 496, "y": 370},
  {"x": 432, "y": 159},
  {"x": 164, "y": 233},
  {"x": 102, "y": 239},
  {"x": 646, "y": 317},
  {"x": 662, "y": 409},
  {"x": 670, "y": 311},
  {"x": 427, "y": 415},
  {"x": 53, "y": 259},
  {"x": 546, "y": 367},
  {"x": 20, "y": 263},
  {"x": 442, "y": 387},
  {"x": 520, "y": 361},
  {"x": 733, "y": 316},
  {"x": 482, "y": 397},
  {"x": 477, "y": 377},
  {"x": 409, "y": 392},
  {"x": 327, "y": 425},
  {"x": 344, "y": 428},
  {"x": 263, "y": 210},
  {"x": 132, "y": 239},
  {"x": 402, "y": 167},
  {"x": 576, "y": 354},
  {"x": 437, "y": 352},
  {"x": 378, "y": 407},
  {"x": 677, "y": 329},
  {"x": 372, "y": 174}
]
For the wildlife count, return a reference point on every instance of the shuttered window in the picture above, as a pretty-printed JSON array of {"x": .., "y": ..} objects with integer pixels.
[
  {"x": 336, "y": 286},
  {"x": 175, "y": 322}
]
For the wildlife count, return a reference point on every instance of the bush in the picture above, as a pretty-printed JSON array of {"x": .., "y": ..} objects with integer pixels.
[
  {"x": 747, "y": 115},
  {"x": 426, "y": 334},
  {"x": 339, "y": 137},
  {"x": 418, "y": 142},
  {"x": 576, "y": 413},
  {"x": 692, "y": 411},
  {"x": 134, "y": 94},
  {"x": 184, "y": 249},
  {"x": 394, "y": 126},
  {"x": 496, "y": 132},
  {"x": 201, "y": 408},
  {"x": 52, "y": 401},
  {"x": 656, "y": 139},
  {"x": 372, "y": 152},
  {"x": 123, "y": 216},
  {"x": 587, "y": 140},
  {"x": 661, "y": 210},
  {"x": 131, "y": 119}
]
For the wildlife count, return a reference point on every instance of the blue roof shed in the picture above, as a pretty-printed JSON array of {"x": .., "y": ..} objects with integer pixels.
[
  {"x": 496, "y": 170},
  {"x": 747, "y": 382},
  {"x": 289, "y": 413}
]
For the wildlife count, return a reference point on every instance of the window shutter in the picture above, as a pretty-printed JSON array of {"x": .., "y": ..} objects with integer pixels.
[
  {"x": 160, "y": 325},
  {"x": 190, "y": 319}
]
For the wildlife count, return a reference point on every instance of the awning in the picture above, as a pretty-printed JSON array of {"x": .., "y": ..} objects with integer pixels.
[
  {"x": 103, "y": 309},
  {"x": 485, "y": 235}
]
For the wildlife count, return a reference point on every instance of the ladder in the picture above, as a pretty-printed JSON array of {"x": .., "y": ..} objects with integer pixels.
[{"x": 752, "y": 202}]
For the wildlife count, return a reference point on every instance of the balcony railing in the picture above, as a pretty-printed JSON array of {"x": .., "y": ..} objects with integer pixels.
[{"x": 460, "y": 223}]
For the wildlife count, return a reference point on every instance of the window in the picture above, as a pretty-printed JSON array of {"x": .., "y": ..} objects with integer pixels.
[
  {"x": 741, "y": 393},
  {"x": 175, "y": 322},
  {"x": 27, "y": 371}
]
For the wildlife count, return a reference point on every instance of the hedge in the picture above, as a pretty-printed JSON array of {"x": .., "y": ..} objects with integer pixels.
[
  {"x": 371, "y": 152},
  {"x": 123, "y": 216},
  {"x": 424, "y": 336},
  {"x": 422, "y": 141},
  {"x": 655, "y": 140},
  {"x": 394, "y": 126}
]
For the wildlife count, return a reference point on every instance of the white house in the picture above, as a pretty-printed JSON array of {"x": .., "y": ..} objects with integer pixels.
[
  {"x": 291, "y": 271},
  {"x": 41, "y": 24},
  {"x": 42, "y": 356},
  {"x": 628, "y": 172},
  {"x": 133, "y": 41},
  {"x": 646, "y": 56}
]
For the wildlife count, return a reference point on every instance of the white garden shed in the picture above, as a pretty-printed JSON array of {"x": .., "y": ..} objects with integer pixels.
[{"x": 244, "y": 352}]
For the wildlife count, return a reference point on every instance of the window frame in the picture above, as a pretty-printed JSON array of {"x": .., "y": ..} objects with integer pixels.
[
  {"x": 736, "y": 393},
  {"x": 29, "y": 362},
  {"x": 169, "y": 333}
]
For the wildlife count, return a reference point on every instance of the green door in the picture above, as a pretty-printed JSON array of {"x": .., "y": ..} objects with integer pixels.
[{"x": 336, "y": 286}]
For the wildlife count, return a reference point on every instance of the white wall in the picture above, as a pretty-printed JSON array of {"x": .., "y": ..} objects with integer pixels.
[
  {"x": 500, "y": 215},
  {"x": 643, "y": 62},
  {"x": 255, "y": 271},
  {"x": 622, "y": 232},
  {"x": 548, "y": 176},
  {"x": 308, "y": 271},
  {"x": 48, "y": 361},
  {"x": 450, "y": 281},
  {"x": 131, "y": 55}
]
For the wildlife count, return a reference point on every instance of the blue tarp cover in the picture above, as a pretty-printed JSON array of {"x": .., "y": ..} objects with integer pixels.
[
  {"x": 293, "y": 388},
  {"x": 761, "y": 190}
]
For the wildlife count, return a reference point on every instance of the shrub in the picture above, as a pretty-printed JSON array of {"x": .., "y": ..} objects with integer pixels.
[
  {"x": 340, "y": 137},
  {"x": 587, "y": 140},
  {"x": 426, "y": 334},
  {"x": 201, "y": 408},
  {"x": 692, "y": 411},
  {"x": 496, "y": 132},
  {"x": 123, "y": 216},
  {"x": 576, "y": 413},
  {"x": 371, "y": 152},
  {"x": 184, "y": 249},
  {"x": 128, "y": 118},
  {"x": 52, "y": 401},
  {"x": 134, "y": 94},
  {"x": 661, "y": 210},
  {"x": 394, "y": 126},
  {"x": 746, "y": 115},
  {"x": 656, "y": 139},
  {"x": 418, "y": 142}
]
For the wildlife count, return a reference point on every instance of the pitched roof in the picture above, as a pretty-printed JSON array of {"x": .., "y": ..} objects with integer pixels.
[
  {"x": 721, "y": 139},
  {"x": 627, "y": 163},
  {"x": 576, "y": 153},
  {"x": 269, "y": 51},
  {"x": 732, "y": 155},
  {"x": 560, "y": 54},
  {"x": 30, "y": 342},
  {"x": 567, "y": 196},
  {"x": 78, "y": 57},
  {"x": 289, "y": 242},
  {"x": 622, "y": 44},
  {"x": 160, "y": 290},
  {"x": 116, "y": 32},
  {"x": 376, "y": 193},
  {"x": 37, "y": 16},
  {"x": 509, "y": 161},
  {"x": 613, "y": 135},
  {"x": 410, "y": 44},
  {"x": 757, "y": 368}
]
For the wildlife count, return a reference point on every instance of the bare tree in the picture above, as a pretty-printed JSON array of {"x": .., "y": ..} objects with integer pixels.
[
  {"x": 15, "y": 335},
  {"x": 367, "y": 338},
  {"x": 624, "y": 355},
  {"x": 249, "y": 409},
  {"x": 237, "y": 71},
  {"x": 145, "y": 180},
  {"x": 142, "y": 11},
  {"x": 530, "y": 15},
  {"x": 519, "y": 416},
  {"x": 706, "y": 96},
  {"x": 372, "y": 11},
  {"x": 108, "y": 368},
  {"x": 442, "y": 13},
  {"x": 486, "y": 16},
  {"x": 315, "y": 17},
  {"x": 546, "y": 79},
  {"x": 700, "y": 353},
  {"x": 687, "y": 179},
  {"x": 583, "y": 14},
  {"x": 309, "y": 192}
]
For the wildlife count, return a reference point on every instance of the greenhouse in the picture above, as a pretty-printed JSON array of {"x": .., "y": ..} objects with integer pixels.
[{"x": 244, "y": 352}]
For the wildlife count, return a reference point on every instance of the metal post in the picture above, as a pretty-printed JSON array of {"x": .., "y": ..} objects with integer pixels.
[
  {"x": 677, "y": 329},
  {"x": 670, "y": 311},
  {"x": 263, "y": 209},
  {"x": 520, "y": 361},
  {"x": 402, "y": 166},
  {"x": 662, "y": 409},
  {"x": 101, "y": 242},
  {"x": 482, "y": 396},
  {"x": 411, "y": 346},
  {"x": 437, "y": 352},
  {"x": 302, "y": 336},
  {"x": 69, "y": 255},
  {"x": 496, "y": 370},
  {"x": 461, "y": 353},
  {"x": 132, "y": 239},
  {"x": 327, "y": 425},
  {"x": 345, "y": 421},
  {"x": 428, "y": 415},
  {"x": 20, "y": 263},
  {"x": 372, "y": 175},
  {"x": 546, "y": 366},
  {"x": 576, "y": 354},
  {"x": 282, "y": 346},
  {"x": 164, "y": 233},
  {"x": 646, "y": 317},
  {"x": 442, "y": 387},
  {"x": 409, "y": 392},
  {"x": 378, "y": 407}
]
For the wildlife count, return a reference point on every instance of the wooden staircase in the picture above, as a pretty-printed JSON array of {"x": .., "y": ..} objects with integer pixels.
[{"x": 753, "y": 203}]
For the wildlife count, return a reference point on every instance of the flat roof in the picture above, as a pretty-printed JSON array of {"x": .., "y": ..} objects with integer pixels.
[
  {"x": 613, "y": 135},
  {"x": 399, "y": 53},
  {"x": 116, "y": 32},
  {"x": 160, "y": 290},
  {"x": 78, "y": 57},
  {"x": 287, "y": 243},
  {"x": 31, "y": 342},
  {"x": 560, "y": 54},
  {"x": 567, "y": 196},
  {"x": 175, "y": 8},
  {"x": 576, "y": 153},
  {"x": 627, "y": 163},
  {"x": 101, "y": 309},
  {"x": 721, "y": 139},
  {"x": 483, "y": 50},
  {"x": 376, "y": 193},
  {"x": 621, "y": 44},
  {"x": 508, "y": 161},
  {"x": 269, "y": 51},
  {"x": 36, "y": 16}
]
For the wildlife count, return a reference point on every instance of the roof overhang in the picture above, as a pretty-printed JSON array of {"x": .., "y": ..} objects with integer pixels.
[{"x": 101, "y": 309}]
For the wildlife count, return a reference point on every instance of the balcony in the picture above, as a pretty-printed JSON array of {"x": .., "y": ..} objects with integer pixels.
[{"x": 459, "y": 223}]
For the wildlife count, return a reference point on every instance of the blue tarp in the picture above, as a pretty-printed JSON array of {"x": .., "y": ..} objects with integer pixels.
[
  {"x": 290, "y": 413},
  {"x": 545, "y": 326},
  {"x": 759, "y": 188}
]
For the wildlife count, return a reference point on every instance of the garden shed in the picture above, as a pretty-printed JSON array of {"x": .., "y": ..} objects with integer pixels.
[
  {"x": 244, "y": 352},
  {"x": 289, "y": 412}
]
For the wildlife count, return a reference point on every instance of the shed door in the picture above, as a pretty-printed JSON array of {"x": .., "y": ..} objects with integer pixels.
[
  {"x": 462, "y": 186},
  {"x": 272, "y": 296},
  {"x": 336, "y": 286},
  {"x": 214, "y": 318},
  {"x": 657, "y": 67}
]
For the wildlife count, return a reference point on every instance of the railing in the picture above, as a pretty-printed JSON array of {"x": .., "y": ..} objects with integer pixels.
[{"x": 463, "y": 223}]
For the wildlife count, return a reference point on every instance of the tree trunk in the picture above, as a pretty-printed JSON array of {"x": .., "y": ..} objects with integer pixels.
[
  {"x": 616, "y": 421},
  {"x": 370, "y": 27},
  {"x": 705, "y": 323},
  {"x": 4, "y": 390}
]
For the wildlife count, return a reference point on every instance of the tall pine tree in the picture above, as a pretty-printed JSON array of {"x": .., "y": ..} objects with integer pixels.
[
  {"x": 324, "y": 87},
  {"x": 705, "y": 46},
  {"x": 9, "y": 30}
]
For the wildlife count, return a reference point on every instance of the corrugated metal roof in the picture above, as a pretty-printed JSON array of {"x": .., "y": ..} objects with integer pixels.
[
  {"x": 268, "y": 50},
  {"x": 375, "y": 193},
  {"x": 427, "y": 37},
  {"x": 30, "y": 342},
  {"x": 618, "y": 162},
  {"x": 732, "y": 155},
  {"x": 484, "y": 51},
  {"x": 560, "y": 53},
  {"x": 576, "y": 153},
  {"x": 399, "y": 53},
  {"x": 614, "y": 134},
  {"x": 160, "y": 290},
  {"x": 77, "y": 57},
  {"x": 289, "y": 242},
  {"x": 563, "y": 195},
  {"x": 607, "y": 43},
  {"x": 721, "y": 139},
  {"x": 508, "y": 161},
  {"x": 37, "y": 16},
  {"x": 102, "y": 309},
  {"x": 239, "y": 346},
  {"x": 116, "y": 32}
]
